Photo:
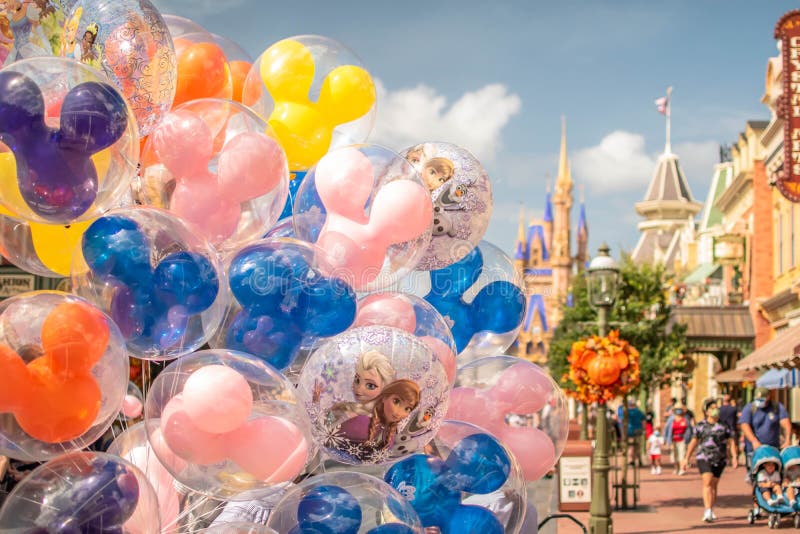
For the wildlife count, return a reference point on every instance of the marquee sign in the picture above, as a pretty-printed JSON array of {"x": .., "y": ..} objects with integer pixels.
[{"x": 788, "y": 31}]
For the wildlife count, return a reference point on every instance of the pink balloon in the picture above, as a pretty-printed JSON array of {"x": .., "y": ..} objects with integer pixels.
[
  {"x": 469, "y": 405},
  {"x": 250, "y": 165},
  {"x": 217, "y": 399},
  {"x": 201, "y": 203},
  {"x": 344, "y": 181},
  {"x": 145, "y": 459},
  {"x": 524, "y": 387},
  {"x": 533, "y": 449},
  {"x": 443, "y": 353},
  {"x": 402, "y": 210},
  {"x": 163, "y": 452},
  {"x": 354, "y": 262},
  {"x": 269, "y": 448},
  {"x": 185, "y": 439},
  {"x": 387, "y": 309},
  {"x": 183, "y": 143},
  {"x": 131, "y": 407}
]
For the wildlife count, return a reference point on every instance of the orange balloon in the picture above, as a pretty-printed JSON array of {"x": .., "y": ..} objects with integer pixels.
[
  {"x": 202, "y": 73},
  {"x": 74, "y": 338},
  {"x": 16, "y": 380},
  {"x": 59, "y": 410},
  {"x": 239, "y": 72}
]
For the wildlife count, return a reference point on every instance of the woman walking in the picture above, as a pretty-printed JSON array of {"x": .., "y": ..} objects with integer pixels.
[
  {"x": 678, "y": 431},
  {"x": 710, "y": 438}
]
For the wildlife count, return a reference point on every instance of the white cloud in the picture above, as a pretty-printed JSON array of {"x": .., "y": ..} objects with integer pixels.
[
  {"x": 620, "y": 162},
  {"x": 474, "y": 121}
]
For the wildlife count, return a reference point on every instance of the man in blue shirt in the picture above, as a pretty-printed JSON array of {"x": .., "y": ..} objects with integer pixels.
[{"x": 762, "y": 422}]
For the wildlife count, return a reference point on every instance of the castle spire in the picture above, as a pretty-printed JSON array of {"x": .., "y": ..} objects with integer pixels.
[
  {"x": 522, "y": 245},
  {"x": 564, "y": 178}
]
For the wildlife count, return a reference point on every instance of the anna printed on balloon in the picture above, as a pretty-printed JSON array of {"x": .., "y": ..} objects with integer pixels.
[
  {"x": 462, "y": 200},
  {"x": 376, "y": 394}
]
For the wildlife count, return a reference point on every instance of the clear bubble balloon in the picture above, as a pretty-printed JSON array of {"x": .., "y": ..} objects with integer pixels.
[
  {"x": 213, "y": 163},
  {"x": 480, "y": 296},
  {"x": 367, "y": 208},
  {"x": 466, "y": 481},
  {"x": 133, "y": 446},
  {"x": 315, "y": 94},
  {"x": 82, "y": 492},
  {"x": 519, "y": 403},
  {"x": 227, "y": 425},
  {"x": 64, "y": 370},
  {"x": 68, "y": 142},
  {"x": 239, "y": 528},
  {"x": 179, "y": 26},
  {"x": 239, "y": 62},
  {"x": 204, "y": 70},
  {"x": 344, "y": 503},
  {"x": 159, "y": 280},
  {"x": 374, "y": 394},
  {"x": 130, "y": 42},
  {"x": 462, "y": 200}
]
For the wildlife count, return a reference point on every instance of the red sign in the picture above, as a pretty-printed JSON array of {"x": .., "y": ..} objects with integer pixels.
[{"x": 788, "y": 31}]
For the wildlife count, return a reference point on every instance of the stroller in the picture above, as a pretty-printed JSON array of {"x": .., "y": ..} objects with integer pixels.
[{"x": 774, "y": 513}]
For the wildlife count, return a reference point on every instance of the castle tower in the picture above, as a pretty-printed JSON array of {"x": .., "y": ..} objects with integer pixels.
[
  {"x": 521, "y": 248},
  {"x": 561, "y": 259},
  {"x": 582, "y": 238}
]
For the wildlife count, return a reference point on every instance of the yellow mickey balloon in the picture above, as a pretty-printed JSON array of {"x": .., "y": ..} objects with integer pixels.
[{"x": 303, "y": 127}]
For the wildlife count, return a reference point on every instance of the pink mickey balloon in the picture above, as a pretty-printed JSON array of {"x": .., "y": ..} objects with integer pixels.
[
  {"x": 185, "y": 439},
  {"x": 401, "y": 211},
  {"x": 183, "y": 143},
  {"x": 387, "y": 309},
  {"x": 200, "y": 203},
  {"x": 269, "y": 448},
  {"x": 131, "y": 407},
  {"x": 217, "y": 398},
  {"x": 250, "y": 165},
  {"x": 344, "y": 183},
  {"x": 469, "y": 405},
  {"x": 354, "y": 261},
  {"x": 523, "y": 386},
  {"x": 533, "y": 449}
]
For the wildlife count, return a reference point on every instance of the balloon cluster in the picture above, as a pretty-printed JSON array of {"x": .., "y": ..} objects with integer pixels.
[
  {"x": 478, "y": 464},
  {"x": 284, "y": 297}
]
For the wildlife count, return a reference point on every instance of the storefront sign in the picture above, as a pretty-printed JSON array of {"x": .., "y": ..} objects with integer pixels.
[
  {"x": 14, "y": 284},
  {"x": 788, "y": 31},
  {"x": 575, "y": 479}
]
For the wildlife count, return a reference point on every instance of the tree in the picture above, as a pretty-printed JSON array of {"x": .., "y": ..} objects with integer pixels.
[{"x": 641, "y": 313}]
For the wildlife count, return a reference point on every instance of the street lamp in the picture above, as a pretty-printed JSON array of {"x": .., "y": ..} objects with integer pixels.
[{"x": 603, "y": 279}]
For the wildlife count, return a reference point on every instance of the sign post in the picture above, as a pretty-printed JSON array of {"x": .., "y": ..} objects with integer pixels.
[{"x": 787, "y": 30}]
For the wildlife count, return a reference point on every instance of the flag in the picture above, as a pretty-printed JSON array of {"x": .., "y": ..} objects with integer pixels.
[{"x": 662, "y": 105}]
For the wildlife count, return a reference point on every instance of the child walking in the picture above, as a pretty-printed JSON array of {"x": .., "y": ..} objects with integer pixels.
[{"x": 654, "y": 444}]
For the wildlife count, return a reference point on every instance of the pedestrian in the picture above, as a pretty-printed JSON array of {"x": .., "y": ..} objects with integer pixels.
[
  {"x": 764, "y": 422},
  {"x": 728, "y": 416},
  {"x": 654, "y": 444},
  {"x": 677, "y": 434},
  {"x": 712, "y": 439}
]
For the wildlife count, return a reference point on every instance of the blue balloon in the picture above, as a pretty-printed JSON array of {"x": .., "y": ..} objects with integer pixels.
[
  {"x": 186, "y": 279},
  {"x": 475, "y": 519},
  {"x": 499, "y": 307},
  {"x": 56, "y": 176},
  {"x": 115, "y": 248},
  {"x": 283, "y": 228},
  {"x": 329, "y": 510},
  {"x": 419, "y": 479},
  {"x": 479, "y": 464},
  {"x": 391, "y": 528},
  {"x": 296, "y": 178},
  {"x": 284, "y": 300}
]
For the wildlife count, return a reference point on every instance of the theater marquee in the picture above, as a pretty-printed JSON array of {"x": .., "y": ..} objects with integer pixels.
[{"x": 788, "y": 31}]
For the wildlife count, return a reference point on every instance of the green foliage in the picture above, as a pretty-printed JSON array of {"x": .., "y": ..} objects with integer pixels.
[{"x": 641, "y": 313}]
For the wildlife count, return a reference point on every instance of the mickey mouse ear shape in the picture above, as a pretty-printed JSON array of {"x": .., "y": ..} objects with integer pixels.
[
  {"x": 21, "y": 102},
  {"x": 93, "y": 117}
]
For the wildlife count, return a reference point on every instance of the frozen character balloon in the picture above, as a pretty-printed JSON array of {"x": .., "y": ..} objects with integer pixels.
[{"x": 373, "y": 372}]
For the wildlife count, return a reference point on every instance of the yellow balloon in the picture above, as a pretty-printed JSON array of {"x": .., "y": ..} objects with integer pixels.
[
  {"x": 305, "y": 128},
  {"x": 55, "y": 244},
  {"x": 9, "y": 186}
]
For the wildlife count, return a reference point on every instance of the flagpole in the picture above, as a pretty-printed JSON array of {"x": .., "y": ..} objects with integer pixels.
[{"x": 668, "y": 147}]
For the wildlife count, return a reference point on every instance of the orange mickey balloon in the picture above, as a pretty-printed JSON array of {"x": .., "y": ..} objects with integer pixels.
[
  {"x": 203, "y": 72},
  {"x": 16, "y": 380},
  {"x": 239, "y": 72},
  {"x": 74, "y": 337}
]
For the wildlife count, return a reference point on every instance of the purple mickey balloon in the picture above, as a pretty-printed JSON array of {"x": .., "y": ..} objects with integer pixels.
[{"x": 56, "y": 176}]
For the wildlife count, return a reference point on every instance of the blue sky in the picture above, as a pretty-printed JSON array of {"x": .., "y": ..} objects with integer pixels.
[{"x": 495, "y": 77}]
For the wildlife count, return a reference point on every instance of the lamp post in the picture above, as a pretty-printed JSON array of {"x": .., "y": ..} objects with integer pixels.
[{"x": 603, "y": 278}]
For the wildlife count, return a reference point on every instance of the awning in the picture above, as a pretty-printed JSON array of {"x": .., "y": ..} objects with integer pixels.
[
  {"x": 703, "y": 272},
  {"x": 737, "y": 376},
  {"x": 779, "y": 378},
  {"x": 714, "y": 322},
  {"x": 782, "y": 350}
]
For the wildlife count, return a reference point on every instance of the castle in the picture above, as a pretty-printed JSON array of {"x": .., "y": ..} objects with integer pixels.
[{"x": 543, "y": 257}]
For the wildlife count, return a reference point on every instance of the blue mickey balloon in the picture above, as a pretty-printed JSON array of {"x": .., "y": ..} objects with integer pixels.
[
  {"x": 328, "y": 510},
  {"x": 477, "y": 464},
  {"x": 498, "y": 307},
  {"x": 284, "y": 299},
  {"x": 391, "y": 528},
  {"x": 295, "y": 180},
  {"x": 57, "y": 178},
  {"x": 156, "y": 309}
]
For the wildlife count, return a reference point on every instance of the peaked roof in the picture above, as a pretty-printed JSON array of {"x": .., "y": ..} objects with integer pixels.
[
  {"x": 535, "y": 310},
  {"x": 536, "y": 232},
  {"x": 548, "y": 208},
  {"x": 583, "y": 226},
  {"x": 668, "y": 181},
  {"x": 712, "y": 215},
  {"x": 564, "y": 178}
]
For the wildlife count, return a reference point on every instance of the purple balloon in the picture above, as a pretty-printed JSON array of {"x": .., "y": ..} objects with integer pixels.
[{"x": 56, "y": 175}]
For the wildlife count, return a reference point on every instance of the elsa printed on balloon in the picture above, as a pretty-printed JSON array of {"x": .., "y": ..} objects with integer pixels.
[{"x": 371, "y": 392}]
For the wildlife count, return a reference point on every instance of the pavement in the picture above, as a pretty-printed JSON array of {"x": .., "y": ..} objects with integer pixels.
[{"x": 671, "y": 503}]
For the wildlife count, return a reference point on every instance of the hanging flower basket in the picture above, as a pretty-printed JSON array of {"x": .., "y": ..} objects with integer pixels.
[{"x": 603, "y": 368}]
